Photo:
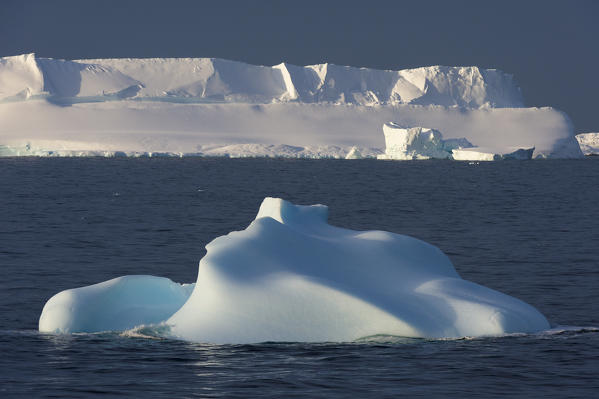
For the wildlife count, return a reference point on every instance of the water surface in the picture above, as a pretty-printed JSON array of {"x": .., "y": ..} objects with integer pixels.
[{"x": 528, "y": 229}]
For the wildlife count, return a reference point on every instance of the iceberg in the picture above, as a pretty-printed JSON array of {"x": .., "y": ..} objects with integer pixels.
[
  {"x": 406, "y": 143},
  {"x": 217, "y": 80},
  {"x": 589, "y": 143},
  {"x": 355, "y": 153},
  {"x": 489, "y": 154},
  {"x": 195, "y": 106},
  {"x": 291, "y": 276}
]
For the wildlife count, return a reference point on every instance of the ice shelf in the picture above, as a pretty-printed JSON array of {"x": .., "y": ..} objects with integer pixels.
[{"x": 214, "y": 107}]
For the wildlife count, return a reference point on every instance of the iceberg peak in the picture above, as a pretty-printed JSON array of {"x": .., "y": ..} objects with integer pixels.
[{"x": 287, "y": 213}]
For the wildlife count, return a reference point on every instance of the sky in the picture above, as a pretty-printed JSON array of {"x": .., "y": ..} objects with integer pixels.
[{"x": 551, "y": 47}]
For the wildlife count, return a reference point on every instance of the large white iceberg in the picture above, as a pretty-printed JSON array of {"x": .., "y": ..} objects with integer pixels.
[
  {"x": 290, "y": 276},
  {"x": 206, "y": 106}
]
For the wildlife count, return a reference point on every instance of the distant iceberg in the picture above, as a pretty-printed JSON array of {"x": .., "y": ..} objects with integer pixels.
[
  {"x": 407, "y": 143},
  {"x": 217, "y": 80},
  {"x": 589, "y": 143},
  {"x": 196, "y": 106},
  {"x": 290, "y": 276},
  {"x": 490, "y": 154}
]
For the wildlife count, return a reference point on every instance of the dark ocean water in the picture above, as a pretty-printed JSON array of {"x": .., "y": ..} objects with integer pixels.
[{"x": 528, "y": 229}]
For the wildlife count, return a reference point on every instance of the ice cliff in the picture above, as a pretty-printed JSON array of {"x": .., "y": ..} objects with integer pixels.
[
  {"x": 406, "y": 143},
  {"x": 290, "y": 276},
  {"x": 207, "y": 106},
  {"x": 217, "y": 80}
]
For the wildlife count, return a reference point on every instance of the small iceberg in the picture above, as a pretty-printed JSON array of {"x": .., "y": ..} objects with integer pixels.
[
  {"x": 354, "y": 153},
  {"x": 416, "y": 142},
  {"x": 488, "y": 154},
  {"x": 291, "y": 276},
  {"x": 589, "y": 143}
]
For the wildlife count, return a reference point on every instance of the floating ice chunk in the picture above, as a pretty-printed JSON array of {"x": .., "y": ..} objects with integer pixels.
[
  {"x": 405, "y": 143},
  {"x": 290, "y": 276},
  {"x": 114, "y": 305},
  {"x": 488, "y": 154},
  {"x": 205, "y": 79},
  {"x": 589, "y": 143}
]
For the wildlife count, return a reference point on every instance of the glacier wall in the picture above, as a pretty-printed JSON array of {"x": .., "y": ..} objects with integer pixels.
[{"x": 217, "y": 80}]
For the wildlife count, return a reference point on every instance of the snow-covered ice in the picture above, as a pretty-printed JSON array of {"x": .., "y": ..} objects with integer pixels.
[
  {"x": 290, "y": 276},
  {"x": 207, "y": 106},
  {"x": 589, "y": 143}
]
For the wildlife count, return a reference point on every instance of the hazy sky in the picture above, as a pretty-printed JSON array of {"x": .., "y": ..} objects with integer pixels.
[{"x": 550, "y": 46}]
